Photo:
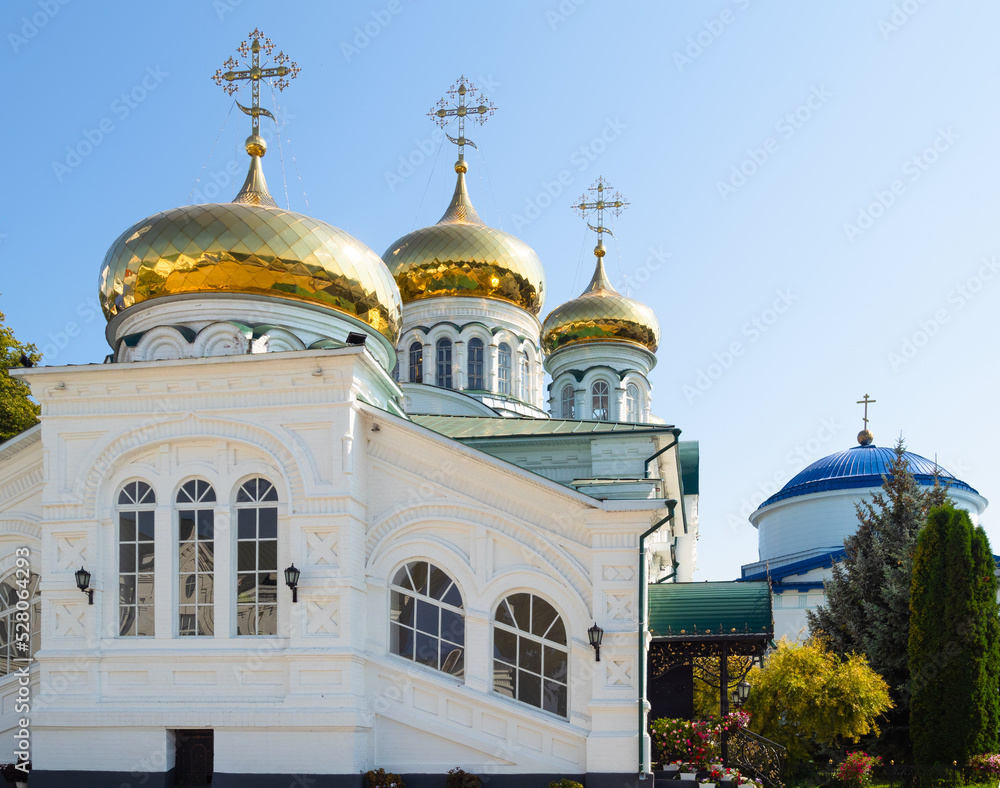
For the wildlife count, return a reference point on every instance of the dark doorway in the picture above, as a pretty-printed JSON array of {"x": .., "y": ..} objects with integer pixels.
[
  {"x": 672, "y": 694},
  {"x": 195, "y": 755}
]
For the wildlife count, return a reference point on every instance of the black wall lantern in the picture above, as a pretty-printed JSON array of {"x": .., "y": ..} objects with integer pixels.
[
  {"x": 83, "y": 583},
  {"x": 292, "y": 581},
  {"x": 596, "y": 635},
  {"x": 740, "y": 694}
]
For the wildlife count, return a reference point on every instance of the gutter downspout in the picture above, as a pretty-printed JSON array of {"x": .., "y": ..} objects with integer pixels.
[
  {"x": 642, "y": 631},
  {"x": 680, "y": 484}
]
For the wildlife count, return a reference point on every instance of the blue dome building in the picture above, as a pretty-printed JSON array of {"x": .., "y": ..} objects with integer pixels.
[{"x": 802, "y": 527}]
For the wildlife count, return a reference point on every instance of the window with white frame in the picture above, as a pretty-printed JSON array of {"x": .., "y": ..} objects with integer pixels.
[
  {"x": 530, "y": 654},
  {"x": 136, "y": 560},
  {"x": 416, "y": 363},
  {"x": 196, "y": 558},
  {"x": 600, "y": 396},
  {"x": 633, "y": 403},
  {"x": 443, "y": 370},
  {"x": 20, "y": 617},
  {"x": 257, "y": 558},
  {"x": 427, "y": 618},
  {"x": 503, "y": 368},
  {"x": 568, "y": 407},
  {"x": 475, "y": 376}
]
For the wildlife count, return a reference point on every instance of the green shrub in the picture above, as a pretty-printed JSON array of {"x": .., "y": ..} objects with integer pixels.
[
  {"x": 565, "y": 783},
  {"x": 461, "y": 779},
  {"x": 380, "y": 778}
]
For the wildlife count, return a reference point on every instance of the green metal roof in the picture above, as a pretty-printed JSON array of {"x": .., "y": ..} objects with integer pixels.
[
  {"x": 469, "y": 427},
  {"x": 730, "y": 609}
]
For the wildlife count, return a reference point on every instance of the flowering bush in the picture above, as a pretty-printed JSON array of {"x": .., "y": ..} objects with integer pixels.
[
  {"x": 984, "y": 767},
  {"x": 856, "y": 770},
  {"x": 692, "y": 744}
]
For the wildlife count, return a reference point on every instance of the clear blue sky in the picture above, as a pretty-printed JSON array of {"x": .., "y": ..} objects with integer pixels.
[{"x": 814, "y": 189}]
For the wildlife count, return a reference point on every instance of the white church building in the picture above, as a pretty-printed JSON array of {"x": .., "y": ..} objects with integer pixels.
[{"x": 284, "y": 407}]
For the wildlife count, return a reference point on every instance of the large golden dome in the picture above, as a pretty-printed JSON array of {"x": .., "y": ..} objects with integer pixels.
[
  {"x": 461, "y": 256},
  {"x": 600, "y": 314},
  {"x": 249, "y": 246}
]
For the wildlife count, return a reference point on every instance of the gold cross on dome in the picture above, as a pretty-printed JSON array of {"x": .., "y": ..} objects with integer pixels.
[
  {"x": 442, "y": 112},
  {"x": 280, "y": 72},
  {"x": 866, "y": 402},
  {"x": 604, "y": 202}
]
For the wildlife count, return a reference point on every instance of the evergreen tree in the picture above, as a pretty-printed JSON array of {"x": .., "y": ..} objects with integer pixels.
[
  {"x": 954, "y": 641},
  {"x": 17, "y": 411},
  {"x": 868, "y": 596}
]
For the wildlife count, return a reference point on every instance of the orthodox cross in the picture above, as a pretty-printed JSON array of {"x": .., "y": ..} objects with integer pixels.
[
  {"x": 282, "y": 68},
  {"x": 866, "y": 402},
  {"x": 610, "y": 202},
  {"x": 442, "y": 113}
]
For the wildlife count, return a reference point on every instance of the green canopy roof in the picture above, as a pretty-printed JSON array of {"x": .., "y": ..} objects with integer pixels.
[{"x": 716, "y": 610}]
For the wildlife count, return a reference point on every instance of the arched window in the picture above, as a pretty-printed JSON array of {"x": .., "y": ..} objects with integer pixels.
[
  {"x": 530, "y": 657},
  {"x": 20, "y": 616},
  {"x": 525, "y": 380},
  {"x": 599, "y": 396},
  {"x": 443, "y": 372},
  {"x": 475, "y": 376},
  {"x": 136, "y": 560},
  {"x": 257, "y": 558},
  {"x": 568, "y": 407},
  {"x": 196, "y": 565},
  {"x": 633, "y": 403},
  {"x": 427, "y": 618},
  {"x": 503, "y": 368},
  {"x": 416, "y": 363}
]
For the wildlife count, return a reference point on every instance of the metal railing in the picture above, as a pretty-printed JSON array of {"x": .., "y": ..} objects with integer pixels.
[{"x": 756, "y": 757}]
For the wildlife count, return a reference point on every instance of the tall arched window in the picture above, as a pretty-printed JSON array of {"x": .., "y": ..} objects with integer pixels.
[
  {"x": 416, "y": 363},
  {"x": 257, "y": 558},
  {"x": 503, "y": 368},
  {"x": 443, "y": 371},
  {"x": 136, "y": 560},
  {"x": 633, "y": 403},
  {"x": 196, "y": 565},
  {"x": 568, "y": 407},
  {"x": 530, "y": 656},
  {"x": 427, "y": 619},
  {"x": 525, "y": 380},
  {"x": 475, "y": 376},
  {"x": 20, "y": 617},
  {"x": 600, "y": 395}
]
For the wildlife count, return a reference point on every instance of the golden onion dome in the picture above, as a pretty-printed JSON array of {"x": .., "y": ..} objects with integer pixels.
[
  {"x": 600, "y": 314},
  {"x": 461, "y": 256},
  {"x": 249, "y": 246}
]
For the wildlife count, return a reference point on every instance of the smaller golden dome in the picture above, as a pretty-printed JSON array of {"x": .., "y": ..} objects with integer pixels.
[
  {"x": 600, "y": 314},
  {"x": 461, "y": 256}
]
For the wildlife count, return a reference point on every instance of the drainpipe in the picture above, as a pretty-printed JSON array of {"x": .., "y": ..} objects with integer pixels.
[
  {"x": 642, "y": 630},
  {"x": 680, "y": 486}
]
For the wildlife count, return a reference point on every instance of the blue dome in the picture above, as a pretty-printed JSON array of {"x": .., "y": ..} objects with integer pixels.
[{"x": 860, "y": 466}]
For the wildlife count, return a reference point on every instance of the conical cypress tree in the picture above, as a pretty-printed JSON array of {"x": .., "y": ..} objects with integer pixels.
[{"x": 954, "y": 652}]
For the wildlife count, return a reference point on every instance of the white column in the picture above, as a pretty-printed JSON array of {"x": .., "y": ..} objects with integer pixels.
[
  {"x": 492, "y": 383},
  {"x": 458, "y": 359},
  {"x": 223, "y": 577},
  {"x": 165, "y": 577}
]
